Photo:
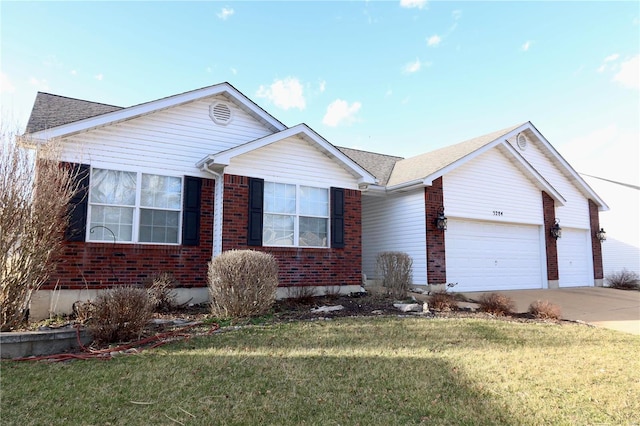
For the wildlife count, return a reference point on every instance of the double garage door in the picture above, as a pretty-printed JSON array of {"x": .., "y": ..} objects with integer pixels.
[{"x": 487, "y": 256}]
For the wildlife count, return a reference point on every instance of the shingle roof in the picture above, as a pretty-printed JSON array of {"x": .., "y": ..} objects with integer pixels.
[
  {"x": 379, "y": 165},
  {"x": 421, "y": 166},
  {"x": 53, "y": 110}
]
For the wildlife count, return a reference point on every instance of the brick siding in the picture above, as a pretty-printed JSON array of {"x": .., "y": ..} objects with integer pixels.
[
  {"x": 436, "y": 263},
  {"x": 594, "y": 219},
  {"x": 101, "y": 265},
  {"x": 549, "y": 212},
  {"x": 298, "y": 266}
]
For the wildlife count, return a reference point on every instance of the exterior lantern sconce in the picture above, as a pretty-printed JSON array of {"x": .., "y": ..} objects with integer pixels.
[
  {"x": 441, "y": 220},
  {"x": 556, "y": 231},
  {"x": 602, "y": 235}
]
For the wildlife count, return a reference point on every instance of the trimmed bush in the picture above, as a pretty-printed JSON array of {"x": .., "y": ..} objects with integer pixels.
[
  {"x": 544, "y": 309},
  {"x": 624, "y": 280},
  {"x": 443, "y": 301},
  {"x": 161, "y": 291},
  {"x": 396, "y": 270},
  {"x": 120, "y": 314},
  {"x": 497, "y": 304},
  {"x": 242, "y": 283}
]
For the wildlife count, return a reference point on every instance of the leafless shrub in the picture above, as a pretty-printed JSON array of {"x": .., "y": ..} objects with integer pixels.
[
  {"x": 624, "y": 280},
  {"x": 120, "y": 314},
  {"x": 161, "y": 290},
  {"x": 83, "y": 311},
  {"x": 497, "y": 304},
  {"x": 443, "y": 301},
  {"x": 35, "y": 190},
  {"x": 544, "y": 309},
  {"x": 242, "y": 283},
  {"x": 396, "y": 270}
]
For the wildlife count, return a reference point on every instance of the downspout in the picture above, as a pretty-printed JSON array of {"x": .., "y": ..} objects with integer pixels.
[{"x": 218, "y": 205}]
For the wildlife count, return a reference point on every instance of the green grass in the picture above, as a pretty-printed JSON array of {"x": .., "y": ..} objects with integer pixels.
[{"x": 361, "y": 371}]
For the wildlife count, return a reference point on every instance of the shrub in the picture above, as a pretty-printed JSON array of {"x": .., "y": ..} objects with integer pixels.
[
  {"x": 34, "y": 194},
  {"x": 497, "y": 304},
  {"x": 242, "y": 283},
  {"x": 544, "y": 309},
  {"x": 302, "y": 294},
  {"x": 161, "y": 291},
  {"x": 443, "y": 301},
  {"x": 396, "y": 270},
  {"x": 120, "y": 314},
  {"x": 624, "y": 280}
]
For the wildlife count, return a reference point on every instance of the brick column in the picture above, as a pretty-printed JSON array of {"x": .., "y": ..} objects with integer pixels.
[
  {"x": 436, "y": 263},
  {"x": 596, "y": 245},
  {"x": 549, "y": 212}
]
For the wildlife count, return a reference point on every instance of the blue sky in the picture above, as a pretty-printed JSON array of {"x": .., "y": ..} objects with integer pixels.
[{"x": 401, "y": 77}]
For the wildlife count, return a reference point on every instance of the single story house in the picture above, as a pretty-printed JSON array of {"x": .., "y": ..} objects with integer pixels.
[{"x": 168, "y": 184}]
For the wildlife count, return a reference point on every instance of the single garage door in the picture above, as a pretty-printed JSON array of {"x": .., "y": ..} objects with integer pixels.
[
  {"x": 574, "y": 258},
  {"x": 484, "y": 256}
]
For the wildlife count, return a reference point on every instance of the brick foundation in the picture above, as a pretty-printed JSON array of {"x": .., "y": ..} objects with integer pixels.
[
  {"x": 92, "y": 265},
  {"x": 436, "y": 263},
  {"x": 298, "y": 266}
]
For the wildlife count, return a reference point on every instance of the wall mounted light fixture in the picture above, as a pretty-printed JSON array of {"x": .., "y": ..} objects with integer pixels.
[
  {"x": 602, "y": 235},
  {"x": 441, "y": 220},
  {"x": 556, "y": 231}
]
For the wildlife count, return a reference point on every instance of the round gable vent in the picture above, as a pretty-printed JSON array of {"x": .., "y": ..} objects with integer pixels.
[
  {"x": 220, "y": 113},
  {"x": 521, "y": 140}
]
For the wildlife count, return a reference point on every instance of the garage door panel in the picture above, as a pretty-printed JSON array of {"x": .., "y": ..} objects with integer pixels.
[
  {"x": 493, "y": 256},
  {"x": 574, "y": 260}
]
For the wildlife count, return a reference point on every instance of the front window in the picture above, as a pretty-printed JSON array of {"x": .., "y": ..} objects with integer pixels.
[
  {"x": 295, "y": 215},
  {"x": 134, "y": 207}
]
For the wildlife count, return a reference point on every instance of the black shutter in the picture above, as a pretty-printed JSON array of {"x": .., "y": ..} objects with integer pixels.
[
  {"x": 256, "y": 199},
  {"x": 77, "y": 227},
  {"x": 337, "y": 217},
  {"x": 191, "y": 211}
]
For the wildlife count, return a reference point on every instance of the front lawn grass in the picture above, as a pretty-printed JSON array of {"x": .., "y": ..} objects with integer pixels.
[{"x": 359, "y": 371}]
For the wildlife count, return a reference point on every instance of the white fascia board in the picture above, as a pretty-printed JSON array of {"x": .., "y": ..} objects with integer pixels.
[
  {"x": 153, "y": 106},
  {"x": 224, "y": 158},
  {"x": 585, "y": 188}
]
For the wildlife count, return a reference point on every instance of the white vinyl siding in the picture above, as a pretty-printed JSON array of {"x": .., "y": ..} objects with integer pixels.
[
  {"x": 395, "y": 223},
  {"x": 292, "y": 160},
  {"x": 575, "y": 263},
  {"x": 487, "y": 256},
  {"x": 490, "y": 187},
  {"x": 172, "y": 140},
  {"x": 575, "y": 212}
]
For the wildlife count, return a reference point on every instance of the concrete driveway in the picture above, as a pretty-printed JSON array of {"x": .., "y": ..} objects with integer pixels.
[{"x": 599, "y": 306}]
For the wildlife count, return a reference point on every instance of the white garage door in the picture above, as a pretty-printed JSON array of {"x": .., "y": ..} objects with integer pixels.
[
  {"x": 574, "y": 258},
  {"x": 485, "y": 256}
]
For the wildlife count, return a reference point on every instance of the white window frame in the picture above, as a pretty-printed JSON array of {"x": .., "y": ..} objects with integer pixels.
[
  {"x": 135, "y": 232},
  {"x": 298, "y": 215}
]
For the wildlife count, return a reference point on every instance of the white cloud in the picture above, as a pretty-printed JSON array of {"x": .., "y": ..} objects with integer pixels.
[
  {"x": 388, "y": 93},
  {"x": 629, "y": 74},
  {"x": 420, "y": 4},
  {"x": 39, "y": 84},
  {"x": 525, "y": 47},
  {"x": 456, "y": 14},
  {"x": 340, "y": 111},
  {"x": 412, "y": 67},
  {"x": 285, "y": 94},
  {"x": 323, "y": 86},
  {"x": 5, "y": 84},
  {"x": 99, "y": 77},
  {"x": 234, "y": 71},
  {"x": 611, "y": 57},
  {"x": 225, "y": 13},
  {"x": 434, "y": 40},
  {"x": 73, "y": 72}
]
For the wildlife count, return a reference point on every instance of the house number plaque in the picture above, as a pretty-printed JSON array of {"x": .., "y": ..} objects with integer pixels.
[{"x": 497, "y": 213}]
